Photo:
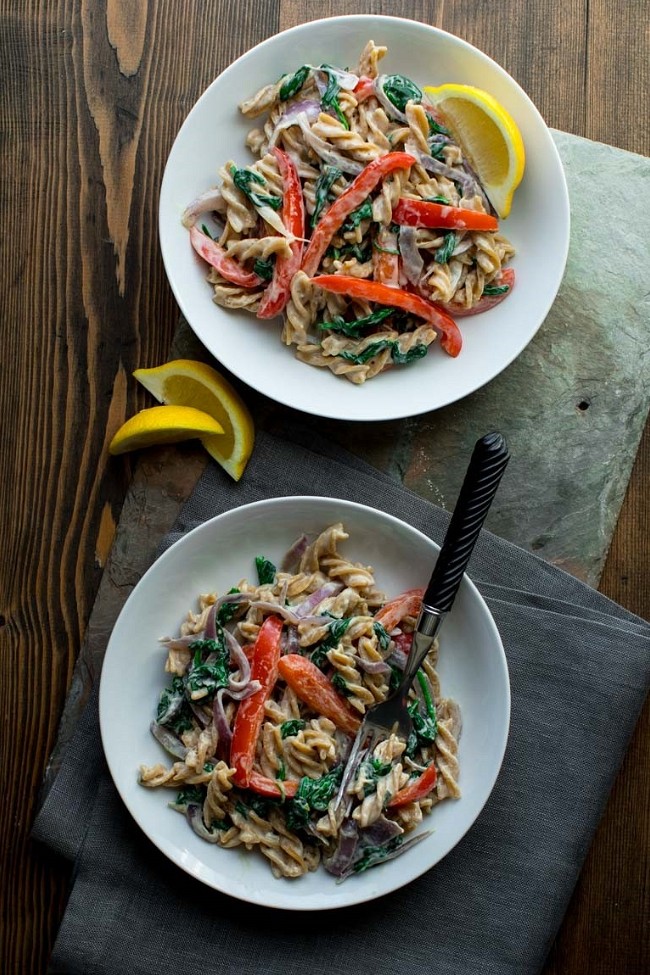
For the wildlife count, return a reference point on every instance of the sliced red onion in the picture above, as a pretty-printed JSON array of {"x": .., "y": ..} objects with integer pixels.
[
  {"x": 379, "y": 833},
  {"x": 292, "y": 643},
  {"x": 210, "y": 630},
  {"x": 170, "y": 742},
  {"x": 345, "y": 79},
  {"x": 324, "y": 150},
  {"x": 241, "y": 693},
  {"x": 391, "y": 110},
  {"x": 180, "y": 642},
  {"x": 305, "y": 608},
  {"x": 288, "y": 613},
  {"x": 397, "y": 852},
  {"x": 294, "y": 554},
  {"x": 412, "y": 260},
  {"x": 373, "y": 666},
  {"x": 194, "y": 814},
  {"x": 340, "y": 861},
  {"x": 220, "y": 720},
  {"x": 308, "y": 109},
  {"x": 438, "y": 168},
  {"x": 199, "y": 714},
  {"x": 206, "y": 203},
  {"x": 239, "y": 659},
  {"x": 397, "y": 658}
]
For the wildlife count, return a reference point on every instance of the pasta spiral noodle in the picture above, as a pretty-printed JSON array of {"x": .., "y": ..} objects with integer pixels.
[
  {"x": 344, "y": 662},
  {"x": 217, "y": 801}
]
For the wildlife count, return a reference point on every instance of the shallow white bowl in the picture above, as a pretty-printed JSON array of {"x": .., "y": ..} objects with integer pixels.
[
  {"x": 214, "y": 132},
  {"x": 215, "y": 556}
]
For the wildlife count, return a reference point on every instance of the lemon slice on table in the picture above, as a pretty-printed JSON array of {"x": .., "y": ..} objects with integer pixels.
[
  {"x": 489, "y": 136},
  {"x": 163, "y": 424},
  {"x": 185, "y": 382}
]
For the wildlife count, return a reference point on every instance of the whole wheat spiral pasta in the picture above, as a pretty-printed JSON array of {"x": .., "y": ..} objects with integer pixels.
[
  {"x": 319, "y": 131},
  {"x": 267, "y": 683}
]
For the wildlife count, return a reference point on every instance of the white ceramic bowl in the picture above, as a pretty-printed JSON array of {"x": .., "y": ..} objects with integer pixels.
[
  {"x": 214, "y": 132},
  {"x": 215, "y": 556}
]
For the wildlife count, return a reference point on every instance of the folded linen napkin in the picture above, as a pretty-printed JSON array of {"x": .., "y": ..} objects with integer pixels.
[{"x": 579, "y": 669}]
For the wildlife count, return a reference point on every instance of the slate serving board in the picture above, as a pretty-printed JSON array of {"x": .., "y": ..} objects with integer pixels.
[{"x": 573, "y": 407}]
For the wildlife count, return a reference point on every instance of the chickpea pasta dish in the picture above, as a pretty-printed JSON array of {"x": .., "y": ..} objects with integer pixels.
[
  {"x": 361, "y": 222},
  {"x": 269, "y": 683}
]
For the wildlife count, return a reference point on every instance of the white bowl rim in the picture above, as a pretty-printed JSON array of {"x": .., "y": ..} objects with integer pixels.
[
  {"x": 285, "y": 902},
  {"x": 562, "y": 197}
]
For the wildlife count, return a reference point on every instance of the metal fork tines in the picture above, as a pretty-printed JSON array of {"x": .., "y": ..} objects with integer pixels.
[{"x": 486, "y": 467}]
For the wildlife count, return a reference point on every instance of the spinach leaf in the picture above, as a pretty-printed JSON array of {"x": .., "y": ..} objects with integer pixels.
[
  {"x": 438, "y": 199},
  {"x": 447, "y": 249},
  {"x": 173, "y": 710},
  {"x": 265, "y": 571},
  {"x": 228, "y": 610},
  {"x": 243, "y": 178},
  {"x": 323, "y": 190},
  {"x": 425, "y": 725},
  {"x": 260, "y": 805},
  {"x": 341, "y": 685},
  {"x": 437, "y": 149},
  {"x": 206, "y": 231},
  {"x": 293, "y": 83},
  {"x": 363, "y": 212},
  {"x": 400, "y": 90},
  {"x": 264, "y": 268},
  {"x": 191, "y": 795},
  {"x": 372, "y": 855},
  {"x": 395, "y": 679},
  {"x": 403, "y": 358},
  {"x": 289, "y": 728},
  {"x": 330, "y": 99},
  {"x": 382, "y": 635},
  {"x": 313, "y": 795},
  {"x": 496, "y": 289},
  {"x": 319, "y": 657},
  {"x": 335, "y": 632},
  {"x": 209, "y": 669},
  {"x": 435, "y": 128},
  {"x": 373, "y": 769},
  {"x": 374, "y": 348},
  {"x": 281, "y": 773},
  {"x": 360, "y": 251},
  {"x": 353, "y": 328}
]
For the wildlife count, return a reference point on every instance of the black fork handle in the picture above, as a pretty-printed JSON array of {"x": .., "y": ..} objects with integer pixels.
[{"x": 488, "y": 462}]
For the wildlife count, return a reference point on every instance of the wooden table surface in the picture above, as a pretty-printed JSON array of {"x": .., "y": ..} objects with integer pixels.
[{"x": 93, "y": 95}]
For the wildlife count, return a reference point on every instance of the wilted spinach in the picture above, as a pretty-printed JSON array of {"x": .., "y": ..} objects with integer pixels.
[
  {"x": 265, "y": 571},
  {"x": 243, "y": 178}
]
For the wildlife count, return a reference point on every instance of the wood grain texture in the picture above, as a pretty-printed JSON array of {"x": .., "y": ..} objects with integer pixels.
[{"x": 93, "y": 94}]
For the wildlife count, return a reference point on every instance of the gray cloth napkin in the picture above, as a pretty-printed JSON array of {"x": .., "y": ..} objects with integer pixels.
[{"x": 579, "y": 668}]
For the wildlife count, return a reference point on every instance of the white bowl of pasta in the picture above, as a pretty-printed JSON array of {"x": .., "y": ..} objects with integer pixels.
[
  {"x": 227, "y": 740},
  {"x": 256, "y": 208}
]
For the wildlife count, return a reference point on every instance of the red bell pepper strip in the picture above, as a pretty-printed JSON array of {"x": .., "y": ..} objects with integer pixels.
[
  {"x": 358, "y": 190},
  {"x": 364, "y": 88},
  {"x": 250, "y": 713},
  {"x": 421, "y": 213},
  {"x": 385, "y": 258},
  {"x": 417, "y": 789},
  {"x": 507, "y": 277},
  {"x": 214, "y": 254},
  {"x": 450, "y": 338},
  {"x": 277, "y": 294},
  {"x": 267, "y": 787},
  {"x": 403, "y": 642},
  {"x": 406, "y": 604},
  {"x": 315, "y": 689}
]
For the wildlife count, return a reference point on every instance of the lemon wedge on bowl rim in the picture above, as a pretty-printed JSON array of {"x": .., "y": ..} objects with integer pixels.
[
  {"x": 186, "y": 382},
  {"x": 489, "y": 136},
  {"x": 163, "y": 424}
]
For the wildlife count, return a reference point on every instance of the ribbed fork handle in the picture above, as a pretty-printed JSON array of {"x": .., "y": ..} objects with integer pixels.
[{"x": 486, "y": 467}]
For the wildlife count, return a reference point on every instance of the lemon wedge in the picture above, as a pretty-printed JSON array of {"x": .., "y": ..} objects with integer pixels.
[
  {"x": 185, "y": 382},
  {"x": 163, "y": 424},
  {"x": 489, "y": 136}
]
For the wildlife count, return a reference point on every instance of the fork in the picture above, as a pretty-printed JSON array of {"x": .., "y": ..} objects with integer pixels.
[{"x": 484, "y": 473}]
